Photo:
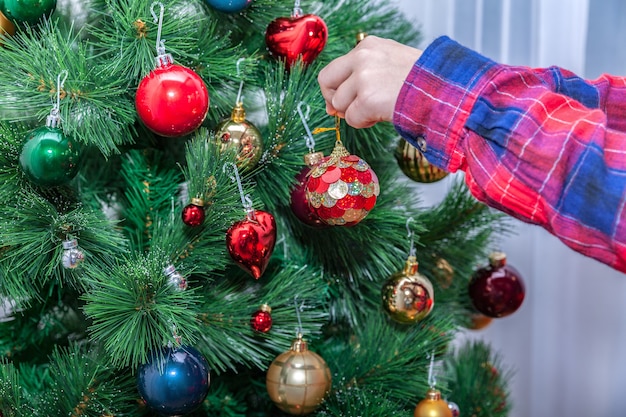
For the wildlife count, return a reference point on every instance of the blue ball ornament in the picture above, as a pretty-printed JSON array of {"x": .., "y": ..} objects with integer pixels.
[
  {"x": 229, "y": 6},
  {"x": 174, "y": 381}
]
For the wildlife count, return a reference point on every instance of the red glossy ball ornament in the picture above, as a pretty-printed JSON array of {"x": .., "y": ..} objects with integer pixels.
[
  {"x": 298, "y": 202},
  {"x": 172, "y": 100},
  {"x": 342, "y": 188},
  {"x": 497, "y": 290},
  {"x": 298, "y": 36},
  {"x": 261, "y": 320},
  {"x": 250, "y": 242},
  {"x": 193, "y": 214}
]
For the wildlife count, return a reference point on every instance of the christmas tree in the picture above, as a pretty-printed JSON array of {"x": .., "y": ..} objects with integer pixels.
[{"x": 166, "y": 250}]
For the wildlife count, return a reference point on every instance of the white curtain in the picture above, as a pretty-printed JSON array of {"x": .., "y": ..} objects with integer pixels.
[{"x": 567, "y": 344}]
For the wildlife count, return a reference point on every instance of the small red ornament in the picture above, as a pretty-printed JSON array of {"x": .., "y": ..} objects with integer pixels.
[
  {"x": 172, "y": 100},
  {"x": 342, "y": 188},
  {"x": 497, "y": 290},
  {"x": 250, "y": 242},
  {"x": 193, "y": 214},
  {"x": 261, "y": 320},
  {"x": 299, "y": 203},
  {"x": 289, "y": 38},
  {"x": 456, "y": 411}
]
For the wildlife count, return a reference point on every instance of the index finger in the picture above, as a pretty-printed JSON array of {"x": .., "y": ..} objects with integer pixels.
[{"x": 333, "y": 75}]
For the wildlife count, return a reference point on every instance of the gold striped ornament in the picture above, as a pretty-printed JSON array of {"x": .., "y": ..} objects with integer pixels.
[{"x": 415, "y": 165}]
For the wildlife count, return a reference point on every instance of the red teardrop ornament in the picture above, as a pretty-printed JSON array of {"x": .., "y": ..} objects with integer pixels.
[
  {"x": 288, "y": 38},
  {"x": 250, "y": 242}
]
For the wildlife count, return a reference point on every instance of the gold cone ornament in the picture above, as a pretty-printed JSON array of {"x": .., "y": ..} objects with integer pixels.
[
  {"x": 432, "y": 406},
  {"x": 408, "y": 296},
  {"x": 241, "y": 135},
  {"x": 297, "y": 380},
  {"x": 415, "y": 165}
]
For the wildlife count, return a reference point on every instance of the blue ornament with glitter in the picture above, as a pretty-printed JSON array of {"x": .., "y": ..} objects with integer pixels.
[
  {"x": 174, "y": 381},
  {"x": 229, "y": 6}
]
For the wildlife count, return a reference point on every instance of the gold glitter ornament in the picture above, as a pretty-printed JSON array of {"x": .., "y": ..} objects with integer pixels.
[
  {"x": 432, "y": 406},
  {"x": 297, "y": 380},
  {"x": 415, "y": 165},
  {"x": 408, "y": 296},
  {"x": 241, "y": 135}
]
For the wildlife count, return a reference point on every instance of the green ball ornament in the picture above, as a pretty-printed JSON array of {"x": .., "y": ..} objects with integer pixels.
[
  {"x": 27, "y": 11},
  {"x": 49, "y": 158}
]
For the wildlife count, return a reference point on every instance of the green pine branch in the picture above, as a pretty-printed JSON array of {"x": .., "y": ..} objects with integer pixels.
[
  {"x": 134, "y": 310},
  {"x": 478, "y": 381},
  {"x": 94, "y": 106}
]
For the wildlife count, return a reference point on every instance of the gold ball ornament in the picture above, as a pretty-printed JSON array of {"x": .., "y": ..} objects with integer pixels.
[
  {"x": 479, "y": 321},
  {"x": 408, "y": 296},
  {"x": 432, "y": 406},
  {"x": 241, "y": 135},
  {"x": 297, "y": 380},
  {"x": 415, "y": 165},
  {"x": 7, "y": 28}
]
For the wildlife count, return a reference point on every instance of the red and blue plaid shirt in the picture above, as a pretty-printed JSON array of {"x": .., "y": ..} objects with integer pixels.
[{"x": 543, "y": 145}]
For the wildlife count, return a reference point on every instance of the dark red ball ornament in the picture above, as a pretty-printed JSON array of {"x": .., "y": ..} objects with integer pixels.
[
  {"x": 261, "y": 320},
  {"x": 250, "y": 242},
  {"x": 172, "y": 100},
  {"x": 289, "y": 38},
  {"x": 193, "y": 214},
  {"x": 299, "y": 203},
  {"x": 497, "y": 290}
]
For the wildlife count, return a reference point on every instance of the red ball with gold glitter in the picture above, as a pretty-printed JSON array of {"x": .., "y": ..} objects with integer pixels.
[
  {"x": 261, "y": 320},
  {"x": 342, "y": 189}
]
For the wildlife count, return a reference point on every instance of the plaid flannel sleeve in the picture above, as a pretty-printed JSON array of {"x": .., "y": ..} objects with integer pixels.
[{"x": 542, "y": 145}]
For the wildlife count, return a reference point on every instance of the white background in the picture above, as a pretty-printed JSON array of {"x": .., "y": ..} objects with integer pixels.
[{"x": 567, "y": 343}]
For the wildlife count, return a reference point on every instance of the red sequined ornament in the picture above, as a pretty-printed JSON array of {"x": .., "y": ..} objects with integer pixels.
[
  {"x": 298, "y": 36},
  {"x": 342, "y": 188},
  {"x": 193, "y": 214},
  {"x": 497, "y": 290},
  {"x": 261, "y": 320},
  {"x": 250, "y": 242},
  {"x": 172, "y": 100},
  {"x": 299, "y": 203}
]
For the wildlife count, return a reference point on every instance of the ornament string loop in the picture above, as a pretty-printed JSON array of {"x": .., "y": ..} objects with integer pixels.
[
  {"x": 297, "y": 10},
  {"x": 239, "y": 99},
  {"x": 310, "y": 142},
  {"x": 337, "y": 130},
  {"x": 298, "y": 309},
  {"x": 410, "y": 234},
  {"x": 432, "y": 380},
  {"x": 160, "y": 45},
  {"x": 246, "y": 201},
  {"x": 54, "y": 118}
]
